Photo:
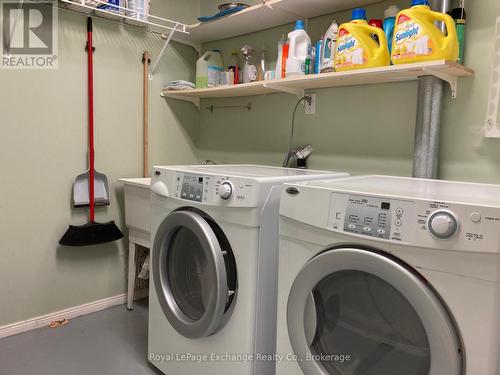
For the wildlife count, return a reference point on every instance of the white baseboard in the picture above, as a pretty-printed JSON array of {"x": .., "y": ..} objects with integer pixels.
[{"x": 70, "y": 313}]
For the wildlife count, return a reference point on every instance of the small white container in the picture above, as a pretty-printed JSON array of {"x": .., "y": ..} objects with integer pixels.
[{"x": 209, "y": 69}]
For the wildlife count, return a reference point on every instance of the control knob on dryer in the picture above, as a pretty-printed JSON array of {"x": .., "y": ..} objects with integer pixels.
[{"x": 443, "y": 225}]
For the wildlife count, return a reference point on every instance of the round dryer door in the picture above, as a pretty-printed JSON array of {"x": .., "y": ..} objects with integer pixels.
[
  {"x": 355, "y": 311},
  {"x": 194, "y": 273}
]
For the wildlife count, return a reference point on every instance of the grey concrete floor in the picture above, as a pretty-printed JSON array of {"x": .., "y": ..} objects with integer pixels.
[{"x": 113, "y": 341}]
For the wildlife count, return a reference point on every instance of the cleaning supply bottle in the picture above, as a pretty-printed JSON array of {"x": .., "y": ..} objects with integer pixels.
[
  {"x": 286, "y": 48},
  {"x": 417, "y": 38},
  {"x": 209, "y": 68},
  {"x": 262, "y": 68},
  {"x": 250, "y": 67},
  {"x": 279, "y": 60},
  {"x": 308, "y": 64},
  {"x": 375, "y": 22},
  {"x": 356, "y": 49},
  {"x": 235, "y": 67},
  {"x": 460, "y": 18},
  {"x": 299, "y": 44},
  {"x": 389, "y": 24},
  {"x": 317, "y": 61},
  {"x": 313, "y": 59},
  {"x": 328, "y": 47}
]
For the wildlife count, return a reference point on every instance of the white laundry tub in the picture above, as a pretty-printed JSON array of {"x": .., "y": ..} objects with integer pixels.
[
  {"x": 138, "y": 221},
  {"x": 137, "y": 209}
]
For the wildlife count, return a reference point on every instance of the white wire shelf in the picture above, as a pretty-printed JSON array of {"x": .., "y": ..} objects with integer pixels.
[{"x": 123, "y": 15}]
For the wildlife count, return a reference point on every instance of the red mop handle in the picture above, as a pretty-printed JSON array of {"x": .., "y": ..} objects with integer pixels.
[{"x": 91, "y": 119}]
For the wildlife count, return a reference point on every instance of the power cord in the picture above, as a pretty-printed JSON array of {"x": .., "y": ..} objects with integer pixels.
[{"x": 287, "y": 155}]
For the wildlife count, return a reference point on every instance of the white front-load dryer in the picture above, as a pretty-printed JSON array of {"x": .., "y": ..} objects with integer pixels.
[
  {"x": 212, "y": 307},
  {"x": 389, "y": 276}
]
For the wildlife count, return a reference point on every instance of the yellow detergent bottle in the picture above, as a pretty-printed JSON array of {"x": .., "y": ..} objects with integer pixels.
[
  {"x": 356, "y": 46},
  {"x": 416, "y": 37}
]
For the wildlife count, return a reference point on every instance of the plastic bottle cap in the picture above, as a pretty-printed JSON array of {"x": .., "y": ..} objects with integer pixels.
[
  {"x": 359, "y": 14},
  {"x": 419, "y": 2},
  {"x": 299, "y": 25},
  {"x": 392, "y": 11},
  {"x": 376, "y": 23}
]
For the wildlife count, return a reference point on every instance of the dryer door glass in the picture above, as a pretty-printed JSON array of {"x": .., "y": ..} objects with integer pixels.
[
  {"x": 355, "y": 311},
  {"x": 360, "y": 315},
  {"x": 194, "y": 273}
]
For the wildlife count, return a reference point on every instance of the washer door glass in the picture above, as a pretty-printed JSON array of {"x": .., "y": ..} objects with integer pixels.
[
  {"x": 354, "y": 311},
  {"x": 194, "y": 273},
  {"x": 188, "y": 274}
]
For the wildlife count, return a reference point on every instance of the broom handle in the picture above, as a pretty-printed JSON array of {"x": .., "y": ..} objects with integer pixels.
[{"x": 91, "y": 120}]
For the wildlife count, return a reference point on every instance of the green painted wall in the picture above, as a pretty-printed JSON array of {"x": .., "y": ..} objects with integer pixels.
[
  {"x": 365, "y": 129},
  {"x": 43, "y": 147}
]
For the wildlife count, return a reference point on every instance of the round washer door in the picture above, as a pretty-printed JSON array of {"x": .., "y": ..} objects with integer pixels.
[
  {"x": 356, "y": 311},
  {"x": 194, "y": 273}
]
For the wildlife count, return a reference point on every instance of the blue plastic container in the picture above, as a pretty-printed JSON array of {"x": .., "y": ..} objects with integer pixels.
[
  {"x": 317, "y": 62},
  {"x": 390, "y": 23}
]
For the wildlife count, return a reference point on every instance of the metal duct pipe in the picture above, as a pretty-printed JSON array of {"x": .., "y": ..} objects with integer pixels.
[
  {"x": 425, "y": 156},
  {"x": 430, "y": 93},
  {"x": 442, "y": 6}
]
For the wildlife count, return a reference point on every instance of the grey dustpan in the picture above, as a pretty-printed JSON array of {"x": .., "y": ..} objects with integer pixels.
[{"x": 81, "y": 190}]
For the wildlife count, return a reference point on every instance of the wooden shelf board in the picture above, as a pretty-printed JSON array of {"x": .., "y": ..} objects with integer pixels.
[{"x": 448, "y": 71}]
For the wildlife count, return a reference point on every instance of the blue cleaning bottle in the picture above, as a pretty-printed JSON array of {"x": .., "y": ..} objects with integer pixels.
[
  {"x": 317, "y": 62},
  {"x": 389, "y": 23}
]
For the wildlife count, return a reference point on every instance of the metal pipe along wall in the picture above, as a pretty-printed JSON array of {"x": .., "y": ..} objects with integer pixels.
[
  {"x": 427, "y": 127},
  {"x": 425, "y": 157}
]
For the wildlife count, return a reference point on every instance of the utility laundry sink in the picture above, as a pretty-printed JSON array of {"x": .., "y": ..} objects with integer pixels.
[{"x": 138, "y": 221}]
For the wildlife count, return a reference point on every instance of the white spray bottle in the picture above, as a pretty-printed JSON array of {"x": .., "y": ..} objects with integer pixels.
[{"x": 328, "y": 48}]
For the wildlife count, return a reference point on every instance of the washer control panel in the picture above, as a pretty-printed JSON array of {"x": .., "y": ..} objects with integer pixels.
[
  {"x": 191, "y": 187},
  {"x": 215, "y": 190},
  {"x": 371, "y": 216}
]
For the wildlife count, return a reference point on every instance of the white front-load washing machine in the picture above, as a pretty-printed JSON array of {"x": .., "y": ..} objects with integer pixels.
[
  {"x": 212, "y": 307},
  {"x": 389, "y": 276}
]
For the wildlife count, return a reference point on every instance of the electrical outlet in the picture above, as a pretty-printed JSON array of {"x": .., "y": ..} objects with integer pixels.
[{"x": 310, "y": 104}]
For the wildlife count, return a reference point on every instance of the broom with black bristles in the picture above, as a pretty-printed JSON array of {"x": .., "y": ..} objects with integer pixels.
[{"x": 92, "y": 233}]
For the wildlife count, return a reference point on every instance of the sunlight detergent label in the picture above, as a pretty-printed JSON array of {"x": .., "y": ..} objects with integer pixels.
[
  {"x": 410, "y": 41},
  {"x": 349, "y": 52}
]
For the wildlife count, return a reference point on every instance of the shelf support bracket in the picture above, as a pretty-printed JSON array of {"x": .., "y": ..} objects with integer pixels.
[
  {"x": 162, "y": 52},
  {"x": 289, "y": 90},
  {"x": 450, "y": 79},
  {"x": 195, "y": 101}
]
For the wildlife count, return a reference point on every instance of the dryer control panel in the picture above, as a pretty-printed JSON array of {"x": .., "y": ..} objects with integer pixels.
[
  {"x": 432, "y": 224},
  {"x": 371, "y": 216}
]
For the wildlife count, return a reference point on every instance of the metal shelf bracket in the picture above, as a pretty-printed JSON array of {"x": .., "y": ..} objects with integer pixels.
[
  {"x": 195, "y": 101},
  {"x": 289, "y": 90},
  {"x": 451, "y": 79},
  {"x": 162, "y": 52}
]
